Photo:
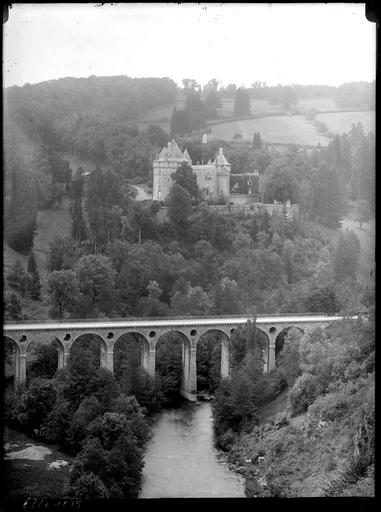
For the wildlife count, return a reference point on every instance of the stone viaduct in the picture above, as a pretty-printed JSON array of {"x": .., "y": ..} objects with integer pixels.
[{"x": 190, "y": 328}]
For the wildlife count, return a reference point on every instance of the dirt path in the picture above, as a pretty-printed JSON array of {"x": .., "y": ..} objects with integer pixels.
[{"x": 143, "y": 193}]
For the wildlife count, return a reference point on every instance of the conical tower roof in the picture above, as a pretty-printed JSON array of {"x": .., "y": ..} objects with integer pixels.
[
  {"x": 186, "y": 156},
  {"x": 221, "y": 159},
  {"x": 163, "y": 154},
  {"x": 174, "y": 151}
]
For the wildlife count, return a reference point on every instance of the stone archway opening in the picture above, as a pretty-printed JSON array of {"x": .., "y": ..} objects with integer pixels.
[
  {"x": 129, "y": 360},
  {"x": 11, "y": 353},
  {"x": 87, "y": 352},
  {"x": 264, "y": 342},
  {"x": 279, "y": 341},
  {"x": 172, "y": 357},
  {"x": 212, "y": 360},
  {"x": 239, "y": 347},
  {"x": 42, "y": 357}
]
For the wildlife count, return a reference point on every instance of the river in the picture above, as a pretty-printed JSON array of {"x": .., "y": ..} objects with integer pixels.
[{"x": 181, "y": 460}]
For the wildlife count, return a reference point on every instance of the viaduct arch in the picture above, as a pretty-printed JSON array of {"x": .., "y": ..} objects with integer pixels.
[{"x": 150, "y": 330}]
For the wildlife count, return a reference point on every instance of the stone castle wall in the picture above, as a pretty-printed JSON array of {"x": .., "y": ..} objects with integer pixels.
[{"x": 240, "y": 210}]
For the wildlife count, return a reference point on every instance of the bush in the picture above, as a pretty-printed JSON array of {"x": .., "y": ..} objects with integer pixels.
[
  {"x": 275, "y": 383},
  {"x": 252, "y": 488},
  {"x": 303, "y": 393},
  {"x": 35, "y": 404},
  {"x": 330, "y": 407},
  {"x": 89, "y": 487},
  {"x": 12, "y": 306}
]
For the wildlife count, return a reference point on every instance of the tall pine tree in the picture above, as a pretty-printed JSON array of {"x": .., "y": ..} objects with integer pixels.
[
  {"x": 35, "y": 284},
  {"x": 329, "y": 199},
  {"x": 242, "y": 103}
]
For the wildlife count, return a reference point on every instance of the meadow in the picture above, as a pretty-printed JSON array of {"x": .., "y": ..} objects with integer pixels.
[
  {"x": 273, "y": 129},
  {"x": 341, "y": 122}
]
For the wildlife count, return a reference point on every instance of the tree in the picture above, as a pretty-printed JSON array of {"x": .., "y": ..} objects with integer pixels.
[
  {"x": 45, "y": 362},
  {"x": 63, "y": 290},
  {"x": 16, "y": 275},
  {"x": 190, "y": 84},
  {"x": 288, "y": 96},
  {"x": 281, "y": 182},
  {"x": 257, "y": 143},
  {"x": 179, "y": 206},
  {"x": 195, "y": 109},
  {"x": 180, "y": 122},
  {"x": 329, "y": 202},
  {"x": 35, "y": 288},
  {"x": 346, "y": 256},
  {"x": 104, "y": 194},
  {"x": 169, "y": 366},
  {"x": 151, "y": 306},
  {"x": 186, "y": 178},
  {"x": 89, "y": 487},
  {"x": 62, "y": 253},
  {"x": 226, "y": 298},
  {"x": 192, "y": 301},
  {"x": 12, "y": 306},
  {"x": 289, "y": 357},
  {"x": 79, "y": 228},
  {"x": 36, "y": 403},
  {"x": 348, "y": 296},
  {"x": 242, "y": 103},
  {"x": 363, "y": 211},
  {"x": 96, "y": 277},
  {"x": 157, "y": 135},
  {"x": 21, "y": 210},
  {"x": 212, "y": 99}
]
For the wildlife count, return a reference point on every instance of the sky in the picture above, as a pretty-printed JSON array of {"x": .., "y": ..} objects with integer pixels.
[{"x": 234, "y": 43}]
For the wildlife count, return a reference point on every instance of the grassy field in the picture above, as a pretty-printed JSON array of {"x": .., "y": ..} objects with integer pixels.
[
  {"x": 274, "y": 129},
  {"x": 50, "y": 223},
  {"x": 258, "y": 108},
  {"x": 341, "y": 122}
]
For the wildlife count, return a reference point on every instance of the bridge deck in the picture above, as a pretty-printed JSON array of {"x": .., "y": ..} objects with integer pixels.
[{"x": 167, "y": 322}]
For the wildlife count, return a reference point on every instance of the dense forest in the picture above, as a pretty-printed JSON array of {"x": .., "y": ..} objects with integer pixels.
[{"x": 121, "y": 261}]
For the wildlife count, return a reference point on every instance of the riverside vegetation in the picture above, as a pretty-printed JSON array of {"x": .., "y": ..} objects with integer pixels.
[{"x": 120, "y": 261}]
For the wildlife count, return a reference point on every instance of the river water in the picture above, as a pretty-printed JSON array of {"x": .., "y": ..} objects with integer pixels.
[{"x": 181, "y": 460}]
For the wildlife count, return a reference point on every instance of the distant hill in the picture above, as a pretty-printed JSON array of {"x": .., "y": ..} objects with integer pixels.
[
  {"x": 65, "y": 110},
  {"x": 89, "y": 117}
]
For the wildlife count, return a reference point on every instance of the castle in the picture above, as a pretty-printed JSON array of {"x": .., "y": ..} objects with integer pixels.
[{"x": 213, "y": 178}]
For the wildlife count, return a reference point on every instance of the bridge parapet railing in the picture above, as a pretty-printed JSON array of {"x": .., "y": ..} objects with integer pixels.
[{"x": 166, "y": 318}]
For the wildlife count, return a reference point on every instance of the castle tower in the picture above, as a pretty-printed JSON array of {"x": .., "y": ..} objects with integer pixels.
[
  {"x": 170, "y": 158},
  {"x": 213, "y": 178},
  {"x": 223, "y": 168}
]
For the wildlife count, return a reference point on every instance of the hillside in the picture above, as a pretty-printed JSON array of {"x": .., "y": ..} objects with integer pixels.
[
  {"x": 316, "y": 438},
  {"x": 283, "y": 129},
  {"x": 341, "y": 122}
]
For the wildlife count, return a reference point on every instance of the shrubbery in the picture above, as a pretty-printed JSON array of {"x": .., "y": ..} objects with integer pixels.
[{"x": 305, "y": 390}]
